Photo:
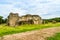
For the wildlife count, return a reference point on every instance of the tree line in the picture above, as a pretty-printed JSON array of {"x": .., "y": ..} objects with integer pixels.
[
  {"x": 2, "y": 20},
  {"x": 53, "y": 20}
]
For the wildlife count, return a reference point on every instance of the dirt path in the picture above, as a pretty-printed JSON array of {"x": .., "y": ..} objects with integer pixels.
[{"x": 33, "y": 35}]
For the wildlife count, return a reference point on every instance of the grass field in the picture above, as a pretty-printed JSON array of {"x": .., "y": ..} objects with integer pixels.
[
  {"x": 5, "y": 30},
  {"x": 56, "y": 37}
]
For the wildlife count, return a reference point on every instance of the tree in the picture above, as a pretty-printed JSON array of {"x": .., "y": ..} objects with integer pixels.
[{"x": 1, "y": 19}]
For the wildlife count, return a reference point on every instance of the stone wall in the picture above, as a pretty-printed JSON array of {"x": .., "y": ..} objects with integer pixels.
[{"x": 14, "y": 19}]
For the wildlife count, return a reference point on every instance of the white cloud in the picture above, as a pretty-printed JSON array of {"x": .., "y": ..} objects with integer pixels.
[{"x": 40, "y": 7}]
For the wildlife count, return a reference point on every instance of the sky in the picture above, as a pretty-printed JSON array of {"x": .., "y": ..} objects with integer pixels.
[{"x": 44, "y": 8}]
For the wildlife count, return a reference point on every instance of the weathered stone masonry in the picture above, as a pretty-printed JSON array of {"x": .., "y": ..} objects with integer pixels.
[{"x": 14, "y": 19}]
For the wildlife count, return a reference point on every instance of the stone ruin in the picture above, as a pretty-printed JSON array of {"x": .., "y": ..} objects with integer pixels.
[{"x": 14, "y": 19}]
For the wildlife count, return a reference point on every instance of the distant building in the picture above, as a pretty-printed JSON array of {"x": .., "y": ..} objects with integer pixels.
[{"x": 14, "y": 19}]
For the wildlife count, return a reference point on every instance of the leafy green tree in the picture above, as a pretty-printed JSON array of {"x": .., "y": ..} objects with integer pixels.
[{"x": 1, "y": 19}]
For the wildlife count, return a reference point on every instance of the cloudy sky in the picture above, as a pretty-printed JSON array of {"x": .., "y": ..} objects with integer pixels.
[{"x": 43, "y": 8}]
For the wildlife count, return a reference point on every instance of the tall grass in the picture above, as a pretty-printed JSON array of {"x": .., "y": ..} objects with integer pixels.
[{"x": 5, "y": 30}]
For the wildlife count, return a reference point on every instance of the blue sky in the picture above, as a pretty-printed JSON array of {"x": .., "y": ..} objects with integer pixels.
[{"x": 43, "y": 8}]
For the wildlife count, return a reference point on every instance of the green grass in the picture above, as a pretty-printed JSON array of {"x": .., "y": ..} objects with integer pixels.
[
  {"x": 5, "y": 30},
  {"x": 55, "y": 37}
]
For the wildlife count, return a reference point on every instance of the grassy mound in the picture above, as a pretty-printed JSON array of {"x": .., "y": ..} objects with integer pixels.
[{"x": 5, "y": 30}]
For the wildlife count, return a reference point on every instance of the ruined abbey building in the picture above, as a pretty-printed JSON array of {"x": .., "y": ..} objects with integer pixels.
[{"x": 14, "y": 19}]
